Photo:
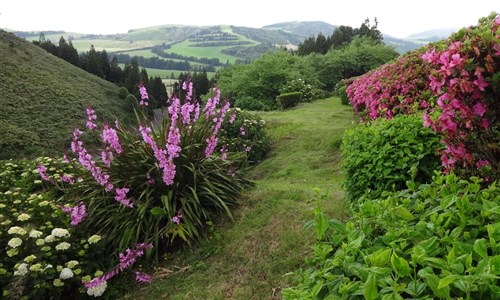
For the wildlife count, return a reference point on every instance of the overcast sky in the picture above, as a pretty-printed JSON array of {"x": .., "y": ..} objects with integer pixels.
[{"x": 396, "y": 18}]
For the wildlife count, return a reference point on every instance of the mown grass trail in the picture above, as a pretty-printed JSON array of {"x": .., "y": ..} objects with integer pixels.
[{"x": 248, "y": 258}]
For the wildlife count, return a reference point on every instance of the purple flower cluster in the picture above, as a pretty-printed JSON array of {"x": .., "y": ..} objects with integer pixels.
[
  {"x": 177, "y": 219},
  {"x": 85, "y": 159},
  {"x": 127, "y": 259},
  {"x": 144, "y": 95},
  {"x": 91, "y": 117},
  {"x": 141, "y": 277},
  {"x": 42, "y": 170},
  {"x": 111, "y": 142},
  {"x": 77, "y": 213},
  {"x": 121, "y": 196}
]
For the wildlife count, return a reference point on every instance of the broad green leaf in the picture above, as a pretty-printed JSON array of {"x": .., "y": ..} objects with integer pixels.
[
  {"x": 400, "y": 265},
  {"x": 403, "y": 213},
  {"x": 321, "y": 225},
  {"x": 157, "y": 211},
  {"x": 443, "y": 282},
  {"x": 370, "y": 288},
  {"x": 337, "y": 225},
  {"x": 433, "y": 282},
  {"x": 380, "y": 258},
  {"x": 481, "y": 248},
  {"x": 415, "y": 288}
]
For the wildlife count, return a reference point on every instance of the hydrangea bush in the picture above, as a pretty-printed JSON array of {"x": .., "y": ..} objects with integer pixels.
[{"x": 43, "y": 255}]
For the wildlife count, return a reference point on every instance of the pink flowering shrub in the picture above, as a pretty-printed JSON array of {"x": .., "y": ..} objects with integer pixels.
[{"x": 456, "y": 83}]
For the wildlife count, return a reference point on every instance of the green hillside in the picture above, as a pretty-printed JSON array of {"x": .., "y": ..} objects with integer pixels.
[{"x": 43, "y": 98}]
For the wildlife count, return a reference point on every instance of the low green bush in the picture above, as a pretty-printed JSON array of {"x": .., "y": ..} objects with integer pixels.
[
  {"x": 289, "y": 99},
  {"x": 383, "y": 155},
  {"x": 245, "y": 135},
  {"x": 123, "y": 93},
  {"x": 299, "y": 85},
  {"x": 435, "y": 241},
  {"x": 249, "y": 103}
]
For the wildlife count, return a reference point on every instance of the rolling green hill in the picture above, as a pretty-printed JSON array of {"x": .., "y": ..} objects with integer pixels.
[
  {"x": 42, "y": 98},
  {"x": 225, "y": 42}
]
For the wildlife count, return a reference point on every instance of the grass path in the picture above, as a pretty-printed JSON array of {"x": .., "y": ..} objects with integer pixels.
[{"x": 248, "y": 258}]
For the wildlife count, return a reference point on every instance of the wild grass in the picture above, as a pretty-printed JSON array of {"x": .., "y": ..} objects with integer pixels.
[{"x": 248, "y": 258}]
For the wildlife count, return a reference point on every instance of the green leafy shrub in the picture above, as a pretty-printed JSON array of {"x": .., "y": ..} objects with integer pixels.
[
  {"x": 437, "y": 241},
  {"x": 245, "y": 135},
  {"x": 299, "y": 85},
  {"x": 248, "y": 103},
  {"x": 289, "y": 99},
  {"x": 43, "y": 256},
  {"x": 384, "y": 155},
  {"x": 123, "y": 93}
]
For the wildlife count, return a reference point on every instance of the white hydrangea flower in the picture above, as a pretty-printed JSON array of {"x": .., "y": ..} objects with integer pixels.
[
  {"x": 94, "y": 239},
  {"x": 60, "y": 232},
  {"x": 14, "y": 230},
  {"x": 29, "y": 258},
  {"x": 35, "y": 233},
  {"x": 63, "y": 246},
  {"x": 40, "y": 242},
  {"x": 49, "y": 238},
  {"x": 2, "y": 205},
  {"x": 36, "y": 267},
  {"x": 44, "y": 203},
  {"x": 23, "y": 217},
  {"x": 66, "y": 273},
  {"x": 72, "y": 263},
  {"x": 97, "y": 291},
  {"x": 15, "y": 242},
  {"x": 21, "y": 270}
]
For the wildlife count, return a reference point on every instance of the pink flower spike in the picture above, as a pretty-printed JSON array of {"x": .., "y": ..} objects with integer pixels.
[
  {"x": 91, "y": 117},
  {"x": 121, "y": 196},
  {"x": 42, "y": 170},
  {"x": 141, "y": 277}
]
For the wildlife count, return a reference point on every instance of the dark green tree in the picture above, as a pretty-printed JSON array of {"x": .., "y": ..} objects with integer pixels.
[
  {"x": 342, "y": 36},
  {"x": 132, "y": 77},
  {"x": 115, "y": 72}
]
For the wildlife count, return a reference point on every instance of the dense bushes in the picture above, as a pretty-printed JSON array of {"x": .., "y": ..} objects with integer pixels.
[
  {"x": 433, "y": 241},
  {"x": 289, "y": 99},
  {"x": 456, "y": 83},
  {"x": 43, "y": 256},
  {"x": 245, "y": 135},
  {"x": 384, "y": 155}
]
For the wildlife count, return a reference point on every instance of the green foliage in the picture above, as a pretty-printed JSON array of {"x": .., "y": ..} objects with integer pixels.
[
  {"x": 439, "y": 240},
  {"x": 246, "y": 133},
  {"x": 122, "y": 93},
  {"x": 299, "y": 85},
  {"x": 248, "y": 103},
  {"x": 30, "y": 217},
  {"x": 341, "y": 89},
  {"x": 42, "y": 97},
  {"x": 289, "y": 99},
  {"x": 264, "y": 78},
  {"x": 384, "y": 155},
  {"x": 357, "y": 58}
]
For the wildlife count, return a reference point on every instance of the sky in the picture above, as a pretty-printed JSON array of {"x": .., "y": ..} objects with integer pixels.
[{"x": 395, "y": 18}]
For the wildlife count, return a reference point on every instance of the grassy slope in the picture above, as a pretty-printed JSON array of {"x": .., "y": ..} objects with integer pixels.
[
  {"x": 247, "y": 259},
  {"x": 43, "y": 97}
]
